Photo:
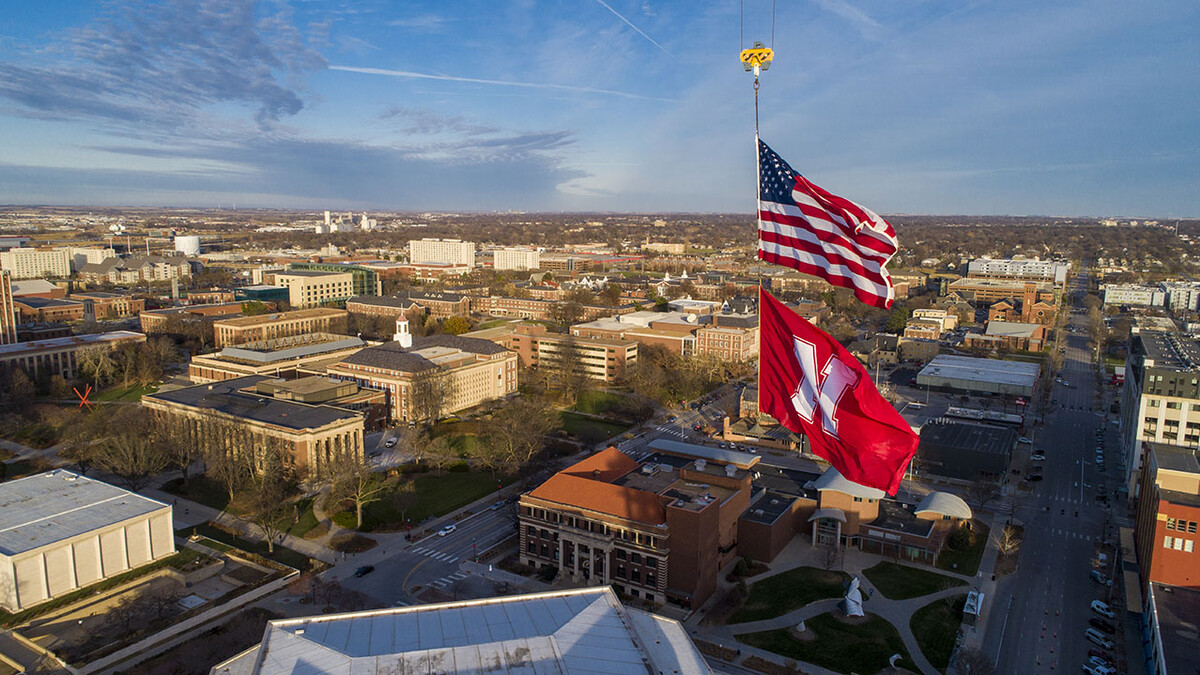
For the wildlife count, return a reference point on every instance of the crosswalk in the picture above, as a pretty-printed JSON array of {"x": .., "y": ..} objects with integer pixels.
[
  {"x": 448, "y": 580},
  {"x": 673, "y": 431},
  {"x": 1071, "y": 534},
  {"x": 436, "y": 555}
]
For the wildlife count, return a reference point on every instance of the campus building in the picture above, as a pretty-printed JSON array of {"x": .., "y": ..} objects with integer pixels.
[
  {"x": 441, "y": 251},
  {"x": 600, "y": 359},
  {"x": 983, "y": 376},
  {"x": 984, "y": 292},
  {"x": 468, "y": 370},
  {"x": 103, "y": 305},
  {"x": 1020, "y": 269},
  {"x": 247, "y": 419},
  {"x": 60, "y": 532},
  {"x": 585, "y": 630},
  {"x": 363, "y": 280},
  {"x": 59, "y": 356},
  {"x": 312, "y": 289},
  {"x": 1133, "y": 294},
  {"x": 280, "y": 357},
  {"x": 261, "y": 327}
]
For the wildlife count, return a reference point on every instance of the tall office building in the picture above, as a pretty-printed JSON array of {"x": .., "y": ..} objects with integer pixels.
[
  {"x": 441, "y": 251},
  {"x": 8, "y": 313}
]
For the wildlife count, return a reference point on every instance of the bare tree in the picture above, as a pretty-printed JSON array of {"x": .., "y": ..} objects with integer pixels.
[
  {"x": 355, "y": 481},
  {"x": 432, "y": 391},
  {"x": 269, "y": 495},
  {"x": 96, "y": 363},
  {"x": 1009, "y": 541},
  {"x": 972, "y": 661},
  {"x": 515, "y": 434},
  {"x": 829, "y": 556},
  {"x": 132, "y": 453},
  {"x": 404, "y": 497},
  {"x": 983, "y": 490}
]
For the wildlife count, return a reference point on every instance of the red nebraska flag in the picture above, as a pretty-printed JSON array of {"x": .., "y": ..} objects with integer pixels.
[{"x": 813, "y": 386}]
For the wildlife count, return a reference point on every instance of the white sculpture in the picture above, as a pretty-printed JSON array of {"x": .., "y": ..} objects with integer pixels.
[{"x": 854, "y": 599}]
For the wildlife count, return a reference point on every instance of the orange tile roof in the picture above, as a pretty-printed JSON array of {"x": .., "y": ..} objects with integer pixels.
[
  {"x": 593, "y": 495},
  {"x": 610, "y": 462}
]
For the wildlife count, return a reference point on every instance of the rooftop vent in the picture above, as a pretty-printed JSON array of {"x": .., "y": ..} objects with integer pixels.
[
  {"x": 730, "y": 470},
  {"x": 700, "y": 464}
]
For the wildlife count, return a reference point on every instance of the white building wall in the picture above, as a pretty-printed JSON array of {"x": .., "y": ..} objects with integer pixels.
[
  {"x": 517, "y": 259},
  {"x": 62, "y": 567},
  {"x": 441, "y": 251},
  {"x": 30, "y": 263},
  {"x": 1132, "y": 294}
]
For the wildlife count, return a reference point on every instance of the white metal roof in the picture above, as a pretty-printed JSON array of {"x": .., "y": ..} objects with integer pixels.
[
  {"x": 584, "y": 631},
  {"x": 981, "y": 370},
  {"x": 832, "y": 479},
  {"x": 742, "y": 460},
  {"x": 39, "y": 510},
  {"x": 945, "y": 504}
]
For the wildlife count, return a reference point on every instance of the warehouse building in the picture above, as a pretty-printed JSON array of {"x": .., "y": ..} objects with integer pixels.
[
  {"x": 980, "y": 376},
  {"x": 965, "y": 451},
  {"x": 60, "y": 531}
]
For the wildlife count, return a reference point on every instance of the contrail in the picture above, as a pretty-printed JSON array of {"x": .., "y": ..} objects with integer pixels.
[
  {"x": 503, "y": 83},
  {"x": 639, "y": 30}
]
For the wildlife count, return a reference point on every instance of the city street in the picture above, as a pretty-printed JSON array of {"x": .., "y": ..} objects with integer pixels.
[{"x": 1046, "y": 603}]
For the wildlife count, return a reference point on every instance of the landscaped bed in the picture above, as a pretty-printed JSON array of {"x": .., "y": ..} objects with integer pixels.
[
  {"x": 433, "y": 495},
  {"x": 965, "y": 560},
  {"x": 900, "y": 582},
  {"x": 861, "y": 647},
  {"x": 779, "y": 594}
]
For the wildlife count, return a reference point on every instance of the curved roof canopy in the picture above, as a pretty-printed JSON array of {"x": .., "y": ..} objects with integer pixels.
[
  {"x": 833, "y": 514},
  {"x": 832, "y": 479},
  {"x": 945, "y": 504}
]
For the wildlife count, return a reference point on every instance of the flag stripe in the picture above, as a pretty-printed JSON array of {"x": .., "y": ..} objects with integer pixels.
[
  {"x": 859, "y": 213},
  {"x": 770, "y": 220},
  {"x": 871, "y": 270},
  {"x": 811, "y": 207},
  {"x": 867, "y": 293}
]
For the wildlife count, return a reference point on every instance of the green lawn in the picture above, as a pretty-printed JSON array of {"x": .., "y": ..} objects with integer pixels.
[
  {"x": 437, "y": 495},
  {"x": 935, "y": 626},
  {"x": 200, "y": 489},
  {"x": 493, "y": 323},
  {"x": 839, "y": 647},
  {"x": 597, "y": 402},
  {"x": 307, "y": 520},
  {"x": 589, "y": 430},
  {"x": 130, "y": 394},
  {"x": 965, "y": 561},
  {"x": 777, "y": 595},
  {"x": 21, "y": 468},
  {"x": 898, "y": 582}
]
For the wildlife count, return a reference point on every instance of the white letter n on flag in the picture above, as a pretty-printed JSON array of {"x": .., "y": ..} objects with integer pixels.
[{"x": 836, "y": 378}]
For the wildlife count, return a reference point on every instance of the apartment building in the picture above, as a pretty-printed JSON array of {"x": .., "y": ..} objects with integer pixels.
[
  {"x": 1030, "y": 337},
  {"x": 946, "y": 319},
  {"x": 729, "y": 339},
  {"x": 606, "y": 360},
  {"x": 923, "y": 329},
  {"x": 1134, "y": 294},
  {"x": 1160, "y": 401},
  {"x": 1019, "y": 269},
  {"x": 272, "y": 326},
  {"x": 85, "y": 256},
  {"x": 1168, "y": 516},
  {"x": 516, "y": 259},
  {"x": 681, "y": 343},
  {"x": 472, "y": 370},
  {"x": 35, "y": 263},
  {"x": 984, "y": 291},
  {"x": 1181, "y": 296},
  {"x": 8, "y": 312},
  {"x": 441, "y": 251},
  {"x": 439, "y": 305},
  {"x": 135, "y": 269},
  {"x": 312, "y": 289},
  {"x": 244, "y": 418}
]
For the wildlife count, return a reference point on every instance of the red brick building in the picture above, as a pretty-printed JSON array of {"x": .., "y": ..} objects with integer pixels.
[{"x": 1168, "y": 516}]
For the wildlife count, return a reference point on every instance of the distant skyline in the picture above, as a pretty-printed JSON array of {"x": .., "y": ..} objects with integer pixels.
[{"x": 981, "y": 107}]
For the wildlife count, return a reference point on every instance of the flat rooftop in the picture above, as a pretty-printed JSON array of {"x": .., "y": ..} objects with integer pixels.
[
  {"x": 968, "y": 436},
  {"x": 1178, "y": 613},
  {"x": 1180, "y": 351},
  {"x": 995, "y": 371},
  {"x": 298, "y": 315},
  {"x": 226, "y": 397},
  {"x": 308, "y": 273},
  {"x": 288, "y": 349},
  {"x": 1176, "y": 458},
  {"x": 49, "y": 507},
  {"x": 769, "y": 507},
  {"x": 15, "y": 348},
  {"x": 742, "y": 460},
  {"x": 893, "y": 516}
]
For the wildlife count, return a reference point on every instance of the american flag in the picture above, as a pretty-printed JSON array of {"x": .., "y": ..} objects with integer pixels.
[{"x": 803, "y": 227}]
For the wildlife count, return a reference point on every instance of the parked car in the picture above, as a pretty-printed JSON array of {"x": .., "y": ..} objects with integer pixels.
[
  {"x": 1096, "y": 576},
  {"x": 1036, "y": 477},
  {"x": 1097, "y": 638},
  {"x": 1103, "y": 625},
  {"x": 449, "y": 529},
  {"x": 1037, "y": 457},
  {"x": 1099, "y": 659},
  {"x": 1091, "y": 669},
  {"x": 364, "y": 570}
]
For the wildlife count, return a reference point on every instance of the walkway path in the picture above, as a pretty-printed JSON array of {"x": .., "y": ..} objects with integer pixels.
[{"x": 800, "y": 553}]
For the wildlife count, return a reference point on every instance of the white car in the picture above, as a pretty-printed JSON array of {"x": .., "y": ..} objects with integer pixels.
[
  {"x": 447, "y": 530},
  {"x": 1102, "y": 609},
  {"x": 390, "y": 443},
  {"x": 1037, "y": 458}
]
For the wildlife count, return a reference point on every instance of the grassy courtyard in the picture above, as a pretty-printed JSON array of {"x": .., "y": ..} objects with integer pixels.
[
  {"x": 777, "y": 595},
  {"x": 597, "y": 402},
  {"x": 433, "y": 495},
  {"x": 842, "y": 647},
  {"x": 965, "y": 560},
  {"x": 588, "y": 430},
  {"x": 935, "y": 626},
  {"x": 899, "y": 582}
]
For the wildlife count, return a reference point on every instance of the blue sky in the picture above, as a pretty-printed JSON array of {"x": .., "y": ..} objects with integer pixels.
[{"x": 1072, "y": 107}]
